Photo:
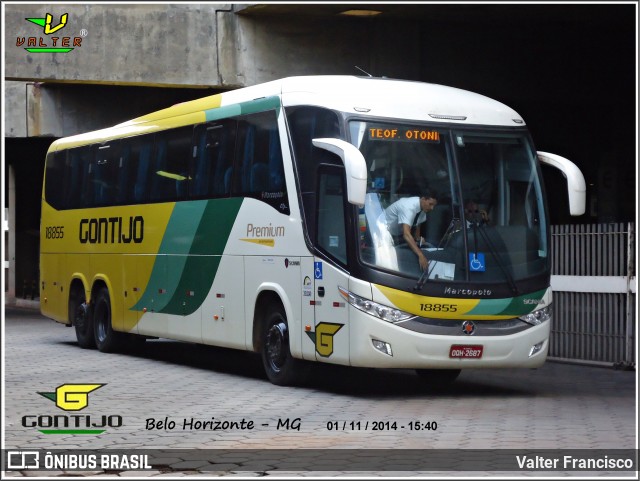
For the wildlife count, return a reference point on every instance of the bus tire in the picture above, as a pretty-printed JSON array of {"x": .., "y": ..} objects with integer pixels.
[
  {"x": 106, "y": 339},
  {"x": 81, "y": 319},
  {"x": 281, "y": 367},
  {"x": 438, "y": 377}
]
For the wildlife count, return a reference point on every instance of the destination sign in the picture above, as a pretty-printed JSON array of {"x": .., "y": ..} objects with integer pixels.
[{"x": 404, "y": 134}]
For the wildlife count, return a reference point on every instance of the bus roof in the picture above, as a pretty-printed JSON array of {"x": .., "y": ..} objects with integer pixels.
[
  {"x": 381, "y": 97},
  {"x": 370, "y": 96}
]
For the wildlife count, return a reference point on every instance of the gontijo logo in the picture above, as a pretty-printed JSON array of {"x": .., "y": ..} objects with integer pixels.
[
  {"x": 51, "y": 44},
  {"x": 71, "y": 397},
  {"x": 323, "y": 337}
]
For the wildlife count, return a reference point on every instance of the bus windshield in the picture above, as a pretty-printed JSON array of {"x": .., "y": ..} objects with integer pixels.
[{"x": 488, "y": 225}]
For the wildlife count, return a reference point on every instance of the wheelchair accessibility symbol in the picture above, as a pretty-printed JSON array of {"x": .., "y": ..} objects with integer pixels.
[
  {"x": 476, "y": 262},
  {"x": 317, "y": 270}
]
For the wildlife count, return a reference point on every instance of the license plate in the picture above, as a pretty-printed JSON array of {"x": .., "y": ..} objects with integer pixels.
[{"x": 465, "y": 351}]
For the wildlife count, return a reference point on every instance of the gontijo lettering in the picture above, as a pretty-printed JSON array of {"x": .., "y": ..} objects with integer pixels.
[{"x": 112, "y": 230}]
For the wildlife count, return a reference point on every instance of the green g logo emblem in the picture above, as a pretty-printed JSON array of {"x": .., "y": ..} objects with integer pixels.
[{"x": 323, "y": 337}]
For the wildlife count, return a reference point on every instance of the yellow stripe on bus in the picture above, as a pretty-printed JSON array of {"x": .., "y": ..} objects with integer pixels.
[{"x": 262, "y": 242}]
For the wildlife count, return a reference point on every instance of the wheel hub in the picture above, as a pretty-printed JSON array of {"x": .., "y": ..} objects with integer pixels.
[{"x": 276, "y": 345}]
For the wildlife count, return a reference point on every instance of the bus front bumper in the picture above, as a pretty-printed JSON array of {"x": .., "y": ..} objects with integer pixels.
[{"x": 376, "y": 343}]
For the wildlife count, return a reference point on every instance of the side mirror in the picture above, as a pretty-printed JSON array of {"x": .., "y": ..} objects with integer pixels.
[
  {"x": 576, "y": 185},
  {"x": 354, "y": 165}
]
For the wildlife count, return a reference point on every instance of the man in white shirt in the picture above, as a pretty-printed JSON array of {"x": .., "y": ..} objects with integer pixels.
[{"x": 408, "y": 213}]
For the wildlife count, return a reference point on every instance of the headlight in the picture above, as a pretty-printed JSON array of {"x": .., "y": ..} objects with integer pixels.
[
  {"x": 537, "y": 317},
  {"x": 386, "y": 313}
]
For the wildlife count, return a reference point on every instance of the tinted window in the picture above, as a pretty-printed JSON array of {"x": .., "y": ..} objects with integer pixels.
[
  {"x": 306, "y": 124},
  {"x": 135, "y": 157},
  {"x": 213, "y": 162},
  {"x": 169, "y": 174},
  {"x": 105, "y": 168},
  {"x": 55, "y": 179},
  {"x": 259, "y": 169},
  {"x": 78, "y": 176},
  {"x": 331, "y": 219},
  {"x": 240, "y": 157}
]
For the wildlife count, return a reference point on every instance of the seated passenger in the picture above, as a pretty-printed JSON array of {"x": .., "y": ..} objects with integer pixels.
[{"x": 474, "y": 214}]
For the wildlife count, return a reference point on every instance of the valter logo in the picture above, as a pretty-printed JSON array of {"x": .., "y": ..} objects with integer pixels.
[
  {"x": 51, "y": 44},
  {"x": 71, "y": 397}
]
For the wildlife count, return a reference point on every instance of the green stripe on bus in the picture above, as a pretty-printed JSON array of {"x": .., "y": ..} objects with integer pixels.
[
  {"x": 514, "y": 306},
  {"x": 204, "y": 258},
  {"x": 518, "y": 306},
  {"x": 184, "y": 270},
  {"x": 260, "y": 105},
  {"x": 172, "y": 255},
  {"x": 222, "y": 112},
  {"x": 252, "y": 107}
]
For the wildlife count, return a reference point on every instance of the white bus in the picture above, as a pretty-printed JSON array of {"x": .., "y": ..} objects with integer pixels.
[{"x": 261, "y": 219}]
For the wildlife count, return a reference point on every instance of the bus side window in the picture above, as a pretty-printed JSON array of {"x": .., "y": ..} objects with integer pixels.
[
  {"x": 259, "y": 161},
  {"x": 202, "y": 164},
  {"x": 133, "y": 162},
  {"x": 331, "y": 232},
  {"x": 224, "y": 160},
  {"x": 124, "y": 173},
  {"x": 57, "y": 179},
  {"x": 141, "y": 161},
  {"x": 276, "y": 173},
  {"x": 162, "y": 187},
  {"x": 79, "y": 160},
  {"x": 306, "y": 124},
  {"x": 106, "y": 169},
  {"x": 247, "y": 156},
  {"x": 170, "y": 176},
  {"x": 213, "y": 162}
]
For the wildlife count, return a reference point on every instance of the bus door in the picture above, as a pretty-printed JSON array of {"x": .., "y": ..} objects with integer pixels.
[{"x": 331, "y": 313}]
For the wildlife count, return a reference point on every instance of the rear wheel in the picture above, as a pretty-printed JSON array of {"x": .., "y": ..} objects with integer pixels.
[
  {"x": 281, "y": 368},
  {"x": 106, "y": 339},
  {"x": 80, "y": 317},
  {"x": 438, "y": 377}
]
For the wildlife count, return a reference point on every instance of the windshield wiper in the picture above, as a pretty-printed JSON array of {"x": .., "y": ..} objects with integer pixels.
[
  {"x": 446, "y": 237},
  {"x": 492, "y": 248},
  {"x": 423, "y": 278}
]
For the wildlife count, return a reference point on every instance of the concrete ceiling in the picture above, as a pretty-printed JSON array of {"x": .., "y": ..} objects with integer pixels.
[{"x": 597, "y": 14}]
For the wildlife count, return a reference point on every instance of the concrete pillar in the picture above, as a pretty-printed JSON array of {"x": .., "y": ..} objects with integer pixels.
[{"x": 11, "y": 241}]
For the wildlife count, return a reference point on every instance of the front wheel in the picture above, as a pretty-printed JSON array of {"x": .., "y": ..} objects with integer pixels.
[
  {"x": 106, "y": 339},
  {"x": 281, "y": 368},
  {"x": 438, "y": 377}
]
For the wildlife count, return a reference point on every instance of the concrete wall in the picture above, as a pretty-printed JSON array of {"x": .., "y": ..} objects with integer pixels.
[
  {"x": 33, "y": 110},
  {"x": 15, "y": 109},
  {"x": 139, "y": 44},
  {"x": 207, "y": 45},
  {"x": 263, "y": 48}
]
